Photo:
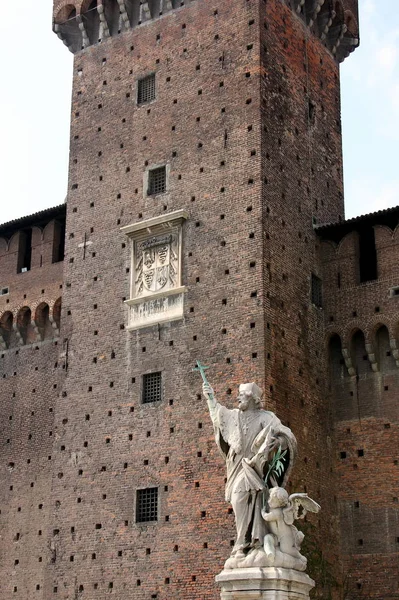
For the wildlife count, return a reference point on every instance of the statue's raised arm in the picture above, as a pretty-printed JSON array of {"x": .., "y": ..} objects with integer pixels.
[
  {"x": 209, "y": 394},
  {"x": 207, "y": 390}
]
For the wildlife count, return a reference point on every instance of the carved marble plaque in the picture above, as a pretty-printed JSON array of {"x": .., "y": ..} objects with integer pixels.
[
  {"x": 156, "y": 293},
  {"x": 157, "y": 263}
]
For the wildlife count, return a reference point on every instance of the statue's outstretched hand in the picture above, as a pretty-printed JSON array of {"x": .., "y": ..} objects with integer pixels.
[
  {"x": 207, "y": 391},
  {"x": 274, "y": 443},
  {"x": 277, "y": 442}
]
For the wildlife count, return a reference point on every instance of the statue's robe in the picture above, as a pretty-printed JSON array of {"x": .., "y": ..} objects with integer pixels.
[{"x": 240, "y": 435}]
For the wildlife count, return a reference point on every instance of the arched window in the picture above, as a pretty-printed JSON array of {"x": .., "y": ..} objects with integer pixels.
[
  {"x": 24, "y": 251},
  {"x": 24, "y": 325},
  {"x": 133, "y": 11},
  {"x": 335, "y": 30},
  {"x": 349, "y": 42},
  {"x": 58, "y": 240},
  {"x": 298, "y": 6},
  {"x": 154, "y": 6},
  {"x": 67, "y": 28},
  {"x": 6, "y": 329},
  {"x": 351, "y": 23},
  {"x": 91, "y": 20},
  {"x": 112, "y": 16},
  {"x": 338, "y": 370},
  {"x": 360, "y": 358},
  {"x": 42, "y": 321},
  {"x": 386, "y": 361},
  {"x": 57, "y": 313},
  {"x": 325, "y": 17},
  {"x": 309, "y": 10}
]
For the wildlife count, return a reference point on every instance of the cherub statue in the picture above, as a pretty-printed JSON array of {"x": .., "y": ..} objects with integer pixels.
[{"x": 282, "y": 545}]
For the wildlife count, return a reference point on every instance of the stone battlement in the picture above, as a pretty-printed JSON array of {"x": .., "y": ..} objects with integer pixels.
[
  {"x": 86, "y": 23},
  {"x": 333, "y": 21}
]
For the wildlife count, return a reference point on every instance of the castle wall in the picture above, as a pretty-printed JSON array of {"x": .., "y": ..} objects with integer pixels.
[
  {"x": 246, "y": 122},
  {"x": 30, "y": 372},
  {"x": 362, "y": 327}
]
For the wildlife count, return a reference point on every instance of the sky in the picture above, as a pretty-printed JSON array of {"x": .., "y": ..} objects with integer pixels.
[{"x": 36, "y": 78}]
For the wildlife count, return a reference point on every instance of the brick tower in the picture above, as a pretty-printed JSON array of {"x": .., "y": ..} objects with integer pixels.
[{"x": 205, "y": 147}]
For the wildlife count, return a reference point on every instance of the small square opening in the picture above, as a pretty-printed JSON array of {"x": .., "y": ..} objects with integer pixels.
[
  {"x": 147, "y": 505},
  {"x": 152, "y": 387},
  {"x": 157, "y": 181},
  {"x": 146, "y": 89}
]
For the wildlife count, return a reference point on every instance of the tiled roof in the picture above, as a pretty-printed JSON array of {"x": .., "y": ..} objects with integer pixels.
[
  {"x": 336, "y": 231},
  {"x": 37, "y": 218}
]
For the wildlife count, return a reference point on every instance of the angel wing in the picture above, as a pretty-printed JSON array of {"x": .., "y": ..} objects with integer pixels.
[{"x": 302, "y": 501}]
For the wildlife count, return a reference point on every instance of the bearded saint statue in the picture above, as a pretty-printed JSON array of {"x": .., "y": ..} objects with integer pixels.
[{"x": 248, "y": 438}]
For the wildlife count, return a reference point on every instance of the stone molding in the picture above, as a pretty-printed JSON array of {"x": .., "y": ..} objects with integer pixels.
[
  {"x": 156, "y": 291},
  {"x": 268, "y": 583}
]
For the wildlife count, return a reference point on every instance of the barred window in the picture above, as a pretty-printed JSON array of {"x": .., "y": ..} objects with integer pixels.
[
  {"x": 152, "y": 387},
  {"x": 316, "y": 292},
  {"x": 147, "y": 505},
  {"x": 156, "y": 181},
  {"x": 146, "y": 89}
]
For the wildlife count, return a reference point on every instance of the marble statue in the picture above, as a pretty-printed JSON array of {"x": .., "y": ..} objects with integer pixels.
[
  {"x": 259, "y": 452},
  {"x": 249, "y": 438}
]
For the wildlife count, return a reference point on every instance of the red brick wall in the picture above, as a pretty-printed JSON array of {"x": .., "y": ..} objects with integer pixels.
[
  {"x": 365, "y": 405},
  {"x": 301, "y": 174},
  {"x": 30, "y": 374},
  {"x": 29, "y": 387},
  {"x": 217, "y": 42}
]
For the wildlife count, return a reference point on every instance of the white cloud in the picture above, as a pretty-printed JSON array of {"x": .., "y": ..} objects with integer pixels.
[
  {"x": 368, "y": 8},
  {"x": 395, "y": 95},
  {"x": 386, "y": 58}
]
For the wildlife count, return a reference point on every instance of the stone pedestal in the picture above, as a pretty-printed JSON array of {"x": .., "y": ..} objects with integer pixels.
[{"x": 269, "y": 583}]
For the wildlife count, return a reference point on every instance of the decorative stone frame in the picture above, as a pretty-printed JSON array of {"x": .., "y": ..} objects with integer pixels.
[{"x": 156, "y": 292}]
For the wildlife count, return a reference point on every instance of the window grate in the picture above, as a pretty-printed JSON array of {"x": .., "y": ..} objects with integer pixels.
[
  {"x": 317, "y": 297},
  {"x": 147, "y": 505},
  {"x": 157, "y": 181},
  {"x": 152, "y": 387},
  {"x": 146, "y": 89}
]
